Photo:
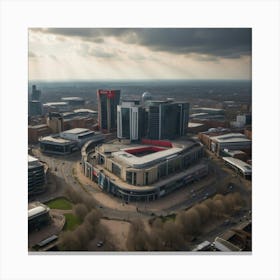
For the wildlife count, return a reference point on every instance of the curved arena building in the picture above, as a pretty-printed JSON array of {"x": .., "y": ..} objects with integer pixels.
[{"x": 146, "y": 171}]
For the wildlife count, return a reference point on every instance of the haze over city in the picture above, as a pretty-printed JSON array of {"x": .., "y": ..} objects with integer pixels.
[{"x": 65, "y": 54}]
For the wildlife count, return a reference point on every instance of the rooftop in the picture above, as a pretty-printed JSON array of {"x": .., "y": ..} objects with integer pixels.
[
  {"x": 230, "y": 137},
  {"x": 32, "y": 159},
  {"x": 245, "y": 167},
  {"x": 56, "y": 104},
  {"x": 36, "y": 211},
  {"x": 191, "y": 124},
  {"x": 85, "y": 111},
  {"x": 33, "y": 162},
  {"x": 74, "y": 98},
  {"x": 76, "y": 130},
  {"x": 55, "y": 139},
  {"x": 38, "y": 126}
]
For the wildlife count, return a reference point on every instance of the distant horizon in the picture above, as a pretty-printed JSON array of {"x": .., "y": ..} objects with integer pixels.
[{"x": 135, "y": 80}]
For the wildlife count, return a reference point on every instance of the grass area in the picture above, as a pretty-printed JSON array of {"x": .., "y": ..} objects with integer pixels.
[
  {"x": 60, "y": 203},
  {"x": 71, "y": 222}
]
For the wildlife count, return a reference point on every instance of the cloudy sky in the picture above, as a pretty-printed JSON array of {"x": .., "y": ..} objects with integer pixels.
[{"x": 139, "y": 53}]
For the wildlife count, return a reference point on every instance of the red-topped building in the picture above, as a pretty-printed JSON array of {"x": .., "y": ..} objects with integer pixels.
[{"x": 107, "y": 109}]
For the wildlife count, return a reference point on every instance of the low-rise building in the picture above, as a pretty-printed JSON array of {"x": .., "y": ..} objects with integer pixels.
[
  {"x": 38, "y": 216},
  {"x": 243, "y": 168},
  {"x": 68, "y": 141},
  {"x": 36, "y": 176},
  {"x": 230, "y": 141},
  {"x": 37, "y": 131},
  {"x": 218, "y": 140}
]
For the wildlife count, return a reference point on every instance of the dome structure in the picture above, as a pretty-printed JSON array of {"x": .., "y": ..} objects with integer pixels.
[{"x": 146, "y": 96}]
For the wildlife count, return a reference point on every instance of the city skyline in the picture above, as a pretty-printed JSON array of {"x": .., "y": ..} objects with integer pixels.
[{"x": 66, "y": 54}]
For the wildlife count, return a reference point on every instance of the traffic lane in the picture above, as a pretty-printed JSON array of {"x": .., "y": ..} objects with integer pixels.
[{"x": 193, "y": 198}]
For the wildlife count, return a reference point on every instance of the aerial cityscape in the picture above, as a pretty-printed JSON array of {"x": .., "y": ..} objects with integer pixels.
[{"x": 140, "y": 139}]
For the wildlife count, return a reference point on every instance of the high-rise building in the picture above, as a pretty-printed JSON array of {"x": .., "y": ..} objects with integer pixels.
[
  {"x": 34, "y": 108},
  {"x": 35, "y": 94},
  {"x": 129, "y": 120},
  {"x": 107, "y": 109},
  {"x": 166, "y": 119}
]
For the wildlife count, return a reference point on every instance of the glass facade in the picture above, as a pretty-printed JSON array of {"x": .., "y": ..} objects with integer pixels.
[{"x": 125, "y": 119}]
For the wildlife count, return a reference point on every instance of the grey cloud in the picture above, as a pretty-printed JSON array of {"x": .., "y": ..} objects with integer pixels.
[{"x": 217, "y": 42}]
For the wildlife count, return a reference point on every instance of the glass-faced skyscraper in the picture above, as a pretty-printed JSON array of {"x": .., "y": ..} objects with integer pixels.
[
  {"x": 129, "y": 118},
  {"x": 107, "y": 109},
  {"x": 166, "y": 119}
]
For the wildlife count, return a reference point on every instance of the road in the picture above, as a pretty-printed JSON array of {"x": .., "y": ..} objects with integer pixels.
[{"x": 64, "y": 168}]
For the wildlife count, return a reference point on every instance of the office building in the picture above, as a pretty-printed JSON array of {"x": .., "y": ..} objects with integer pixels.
[
  {"x": 36, "y": 176},
  {"x": 166, "y": 119},
  {"x": 35, "y": 108},
  {"x": 129, "y": 120},
  {"x": 107, "y": 109},
  {"x": 35, "y": 94}
]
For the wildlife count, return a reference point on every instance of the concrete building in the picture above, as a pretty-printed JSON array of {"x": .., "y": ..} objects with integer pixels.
[
  {"x": 68, "y": 141},
  {"x": 147, "y": 171},
  {"x": 130, "y": 117},
  {"x": 230, "y": 141},
  {"x": 107, "y": 109},
  {"x": 243, "y": 168},
  {"x": 74, "y": 102},
  {"x": 166, "y": 119},
  {"x": 37, "y": 131},
  {"x": 36, "y": 176},
  {"x": 81, "y": 135},
  {"x": 38, "y": 216},
  {"x": 242, "y": 120},
  {"x": 55, "y": 107},
  {"x": 55, "y": 122}
]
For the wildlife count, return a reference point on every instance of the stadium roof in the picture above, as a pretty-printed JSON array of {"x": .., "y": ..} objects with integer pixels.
[{"x": 139, "y": 162}]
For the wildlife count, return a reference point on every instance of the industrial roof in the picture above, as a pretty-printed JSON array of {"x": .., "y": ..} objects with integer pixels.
[
  {"x": 230, "y": 137},
  {"x": 245, "y": 167},
  {"x": 37, "y": 211}
]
